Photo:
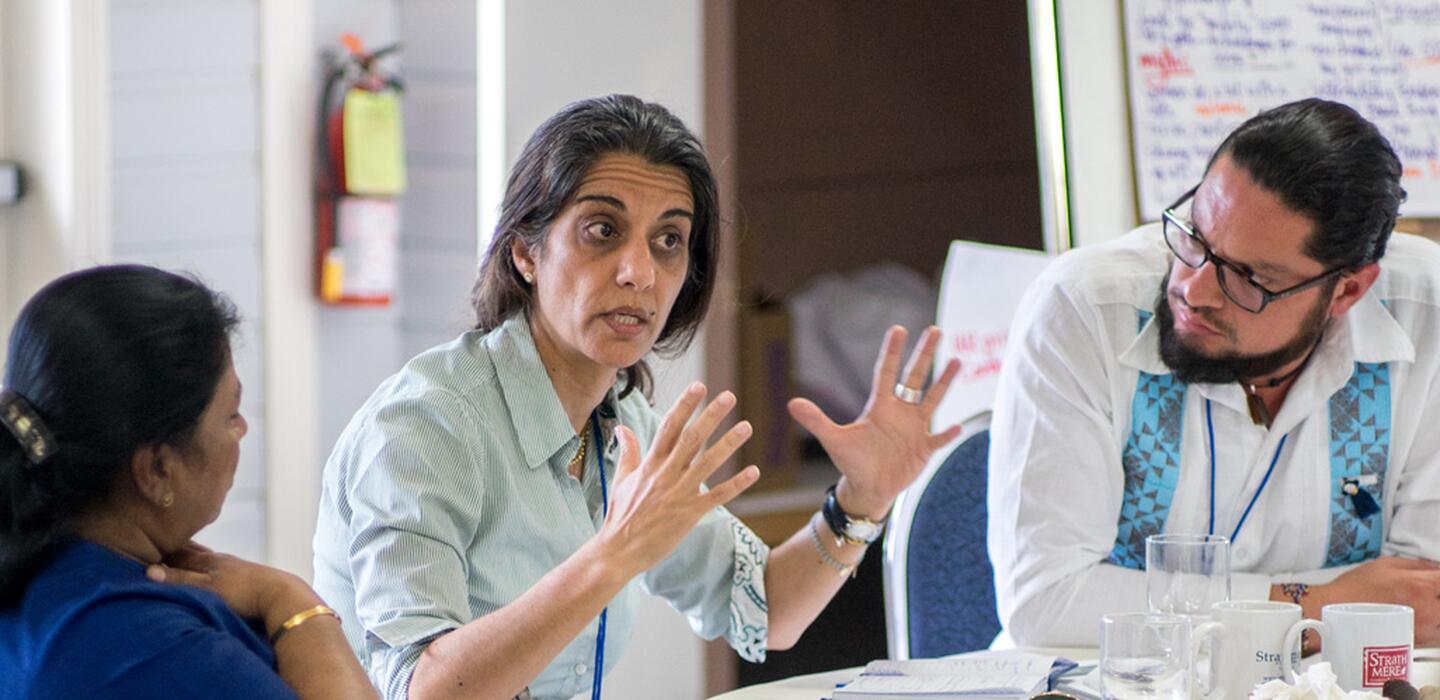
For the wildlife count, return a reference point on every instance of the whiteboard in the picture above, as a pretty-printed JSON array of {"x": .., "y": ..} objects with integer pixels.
[{"x": 1198, "y": 68}]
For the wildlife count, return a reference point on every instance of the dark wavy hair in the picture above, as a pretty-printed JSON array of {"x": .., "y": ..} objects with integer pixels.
[
  {"x": 545, "y": 179},
  {"x": 1328, "y": 163},
  {"x": 111, "y": 359}
]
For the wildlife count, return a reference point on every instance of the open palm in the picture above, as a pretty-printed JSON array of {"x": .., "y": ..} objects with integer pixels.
[{"x": 887, "y": 446}]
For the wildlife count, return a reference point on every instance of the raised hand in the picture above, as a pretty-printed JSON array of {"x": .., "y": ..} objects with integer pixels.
[
  {"x": 883, "y": 450},
  {"x": 657, "y": 500}
]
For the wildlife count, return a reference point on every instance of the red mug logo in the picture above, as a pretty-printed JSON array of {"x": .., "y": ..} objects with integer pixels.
[{"x": 1385, "y": 664}]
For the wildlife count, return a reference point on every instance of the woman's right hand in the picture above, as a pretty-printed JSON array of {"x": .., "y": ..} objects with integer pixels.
[
  {"x": 253, "y": 591},
  {"x": 657, "y": 501}
]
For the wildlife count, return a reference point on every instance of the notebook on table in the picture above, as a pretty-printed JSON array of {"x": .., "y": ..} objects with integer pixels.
[{"x": 988, "y": 676}]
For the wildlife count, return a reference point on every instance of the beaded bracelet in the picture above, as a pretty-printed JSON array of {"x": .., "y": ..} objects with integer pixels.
[{"x": 1296, "y": 591}]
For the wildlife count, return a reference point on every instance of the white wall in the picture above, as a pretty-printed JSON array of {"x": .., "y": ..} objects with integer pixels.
[
  {"x": 556, "y": 52},
  {"x": 287, "y": 146},
  {"x": 1097, "y": 131},
  {"x": 438, "y": 256},
  {"x": 184, "y": 108},
  {"x": 54, "y": 122}
]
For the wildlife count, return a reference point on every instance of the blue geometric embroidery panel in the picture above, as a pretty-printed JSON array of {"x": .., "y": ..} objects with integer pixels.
[
  {"x": 1152, "y": 463},
  {"x": 1359, "y": 447}
]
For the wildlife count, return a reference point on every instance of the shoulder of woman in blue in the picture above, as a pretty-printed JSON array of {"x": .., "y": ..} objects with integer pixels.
[{"x": 92, "y": 620}]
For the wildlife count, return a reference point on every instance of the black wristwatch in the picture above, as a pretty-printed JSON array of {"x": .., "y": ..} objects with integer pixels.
[{"x": 847, "y": 528}]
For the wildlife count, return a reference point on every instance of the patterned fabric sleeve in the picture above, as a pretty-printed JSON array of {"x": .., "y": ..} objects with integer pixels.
[
  {"x": 716, "y": 579},
  {"x": 749, "y": 611}
]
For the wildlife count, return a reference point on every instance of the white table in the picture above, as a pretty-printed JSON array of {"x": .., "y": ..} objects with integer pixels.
[
  {"x": 1425, "y": 671},
  {"x": 819, "y": 685}
]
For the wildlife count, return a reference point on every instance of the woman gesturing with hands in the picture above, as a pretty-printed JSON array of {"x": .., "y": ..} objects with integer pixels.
[
  {"x": 878, "y": 454},
  {"x": 883, "y": 450},
  {"x": 491, "y": 515},
  {"x": 657, "y": 500}
]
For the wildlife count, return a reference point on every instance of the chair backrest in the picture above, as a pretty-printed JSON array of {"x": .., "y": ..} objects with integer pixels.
[{"x": 939, "y": 585}]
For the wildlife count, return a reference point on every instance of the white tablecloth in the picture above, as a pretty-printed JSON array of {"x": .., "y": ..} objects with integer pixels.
[
  {"x": 819, "y": 685},
  {"x": 1425, "y": 671}
]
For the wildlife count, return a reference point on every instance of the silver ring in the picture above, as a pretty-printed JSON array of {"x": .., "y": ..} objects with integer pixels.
[{"x": 906, "y": 394}]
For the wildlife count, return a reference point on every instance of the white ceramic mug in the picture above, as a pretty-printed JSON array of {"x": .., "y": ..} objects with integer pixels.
[
  {"x": 1247, "y": 639},
  {"x": 1365, "y": 643}
]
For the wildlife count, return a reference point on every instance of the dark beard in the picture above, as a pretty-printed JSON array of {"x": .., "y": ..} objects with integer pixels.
[{"x": 1194, "y": 367}]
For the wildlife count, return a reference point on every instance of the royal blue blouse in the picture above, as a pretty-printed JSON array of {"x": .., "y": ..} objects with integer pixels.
[{"x": 90, "y": 624}]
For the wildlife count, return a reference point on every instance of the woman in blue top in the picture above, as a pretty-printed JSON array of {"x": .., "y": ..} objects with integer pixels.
[
  {"x": 489, "y": 518},
  {"x": 121, "y": 432}
]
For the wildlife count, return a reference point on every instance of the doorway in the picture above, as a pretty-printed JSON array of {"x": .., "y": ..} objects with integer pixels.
[{"x": 852, "y": 133}]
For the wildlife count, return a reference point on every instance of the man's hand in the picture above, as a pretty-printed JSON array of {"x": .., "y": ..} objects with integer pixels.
[{"x": 1412, "y": 582}]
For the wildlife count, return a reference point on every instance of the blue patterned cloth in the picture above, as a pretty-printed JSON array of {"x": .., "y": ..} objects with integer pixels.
[
  {"x": 1151, "y": 460},
  {"x": 1152, "y": 465},
  {"x": 1359, "y": 452}
]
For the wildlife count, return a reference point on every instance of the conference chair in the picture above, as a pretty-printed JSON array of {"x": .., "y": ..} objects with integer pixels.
[{"x": 939, "y": 586}]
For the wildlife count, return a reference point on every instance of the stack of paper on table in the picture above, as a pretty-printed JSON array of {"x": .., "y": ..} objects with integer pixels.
[{"x": 998, "y": 675}]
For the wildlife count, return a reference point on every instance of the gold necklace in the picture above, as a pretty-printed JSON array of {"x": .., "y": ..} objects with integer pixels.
[{"x": 579, "y": 457}]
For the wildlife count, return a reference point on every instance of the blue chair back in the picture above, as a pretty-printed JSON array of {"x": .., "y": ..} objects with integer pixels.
[{"x": 939, "y": 585}]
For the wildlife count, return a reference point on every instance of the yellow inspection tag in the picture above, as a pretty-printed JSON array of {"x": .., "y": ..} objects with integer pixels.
[
  {"x": 374, "y": 143},
  {"x": 332, "y": 276}
]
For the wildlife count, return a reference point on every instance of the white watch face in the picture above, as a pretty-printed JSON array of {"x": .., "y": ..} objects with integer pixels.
[{"x": 863, "y": 530}]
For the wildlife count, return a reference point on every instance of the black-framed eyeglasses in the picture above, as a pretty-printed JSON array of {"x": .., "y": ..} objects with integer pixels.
[{"x": 1234, "y": 279}]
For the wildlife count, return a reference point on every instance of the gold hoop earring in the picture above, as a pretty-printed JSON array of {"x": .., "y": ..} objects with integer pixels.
[{"x": 167, "y": 500}]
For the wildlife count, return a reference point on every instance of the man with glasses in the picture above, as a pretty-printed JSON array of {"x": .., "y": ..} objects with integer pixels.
[{"x": 1261, "y": 365}]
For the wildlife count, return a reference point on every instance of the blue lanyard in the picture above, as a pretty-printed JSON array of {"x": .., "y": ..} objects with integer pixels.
[
  {"x": 604, "y": 512},
  {"x": 1210, "y": 425}
]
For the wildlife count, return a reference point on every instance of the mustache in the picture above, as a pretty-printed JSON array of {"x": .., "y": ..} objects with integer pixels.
[{"x": 1205, "y": 316}]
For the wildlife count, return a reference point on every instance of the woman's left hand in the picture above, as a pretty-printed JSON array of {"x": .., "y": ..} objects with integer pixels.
[
  {"x": 883, "y": 450},
  {"x": 253, "y": 591}
]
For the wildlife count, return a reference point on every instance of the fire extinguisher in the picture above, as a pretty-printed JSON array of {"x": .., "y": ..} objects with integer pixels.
[{"x": 360, "y": 176}]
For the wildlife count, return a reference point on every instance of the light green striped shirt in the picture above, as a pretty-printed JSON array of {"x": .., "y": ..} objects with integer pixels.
[{"x": 448, "y": 496}]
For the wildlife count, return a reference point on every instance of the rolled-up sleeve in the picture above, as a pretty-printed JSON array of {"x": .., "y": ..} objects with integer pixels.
[
  {"x": 716, "y": 579},
  {"x": 415, "y": 508},
  {"x": 716, "y": 575}
]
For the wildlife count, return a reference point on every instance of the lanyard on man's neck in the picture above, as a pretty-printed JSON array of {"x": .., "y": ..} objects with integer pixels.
[{"x": 1210, "y": 427}]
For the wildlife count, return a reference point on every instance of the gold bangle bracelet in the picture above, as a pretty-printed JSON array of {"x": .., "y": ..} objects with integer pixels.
[{"x": 301, "y": 618}]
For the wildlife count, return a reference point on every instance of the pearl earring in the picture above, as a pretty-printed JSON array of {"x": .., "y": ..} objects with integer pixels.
[{"x": 529, "y": 278}]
